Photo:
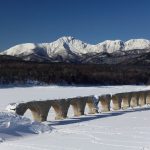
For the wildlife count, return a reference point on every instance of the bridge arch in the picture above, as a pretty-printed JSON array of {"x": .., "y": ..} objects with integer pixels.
[
  {"x": 78, "y": 104},
  {"x": 147, "y": 97},
  {"x": 104, "y": 103},
  {"x": 134, "y": 99},
  {"x": 60, "y": 107},
  {"x": 116, "y": 101},
  {"x": 92, "y": 104}
]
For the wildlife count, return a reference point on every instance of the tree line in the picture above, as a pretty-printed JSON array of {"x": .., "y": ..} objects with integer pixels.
[{"x": 62, "y": 73}]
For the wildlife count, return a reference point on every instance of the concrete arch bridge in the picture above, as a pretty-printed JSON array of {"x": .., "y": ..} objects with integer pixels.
[{"x": 108, "y": 102}]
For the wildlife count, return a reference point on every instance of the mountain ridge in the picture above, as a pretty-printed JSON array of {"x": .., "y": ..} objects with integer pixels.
[{"x": 69, "y": 49}]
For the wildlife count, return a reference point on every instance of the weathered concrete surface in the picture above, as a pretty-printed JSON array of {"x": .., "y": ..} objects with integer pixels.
[
  {"x": 142, "y": 98},
  {"x": 92, "y": 104},
  {"x": 134, "y": 99},
  {"x": 104, "y": 101},
  {"x": 116, "y": 101},
  {"x": 78, "y": 105},
  {"x": 21, "y": 108},
  {"x": 39, "y": 110},
  {"x": 61, "y": 108},
  {"x": 147, "y": 97},
  {"x": 125, "y": 100}
]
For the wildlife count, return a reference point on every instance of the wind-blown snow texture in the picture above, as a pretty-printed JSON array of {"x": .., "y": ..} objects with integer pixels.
[
  {"x": 13, "y": 126},
  {"x": 69, "y": 49},
  {"x": 120, "y": 130}
]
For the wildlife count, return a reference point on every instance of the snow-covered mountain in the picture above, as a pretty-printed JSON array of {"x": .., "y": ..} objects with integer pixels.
[{"x": 69, "y": 49}]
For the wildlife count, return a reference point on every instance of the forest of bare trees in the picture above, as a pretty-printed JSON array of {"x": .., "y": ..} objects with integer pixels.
[{"x": 58, "y": 73}]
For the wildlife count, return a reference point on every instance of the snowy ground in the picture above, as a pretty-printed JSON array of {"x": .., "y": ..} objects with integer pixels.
[
  {"x": 13, "y": 126},
  {"x": 121, "y": 130}
]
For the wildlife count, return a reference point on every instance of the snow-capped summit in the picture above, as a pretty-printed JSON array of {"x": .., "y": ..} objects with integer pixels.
[
  {"x": 110, "y": 46},
  {"x": 22, "y": 49},
  {"x": 68, "y": 44},
  {"x": 137, "y": 44},
  {"x": 66, "y": 39},
  {"x": 70, "y": 49}
]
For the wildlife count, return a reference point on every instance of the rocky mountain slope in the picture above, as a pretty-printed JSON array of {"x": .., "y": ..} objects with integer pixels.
[{"x": 71, "y": 50}]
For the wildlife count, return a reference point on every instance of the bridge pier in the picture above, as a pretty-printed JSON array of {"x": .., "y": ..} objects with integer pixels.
[
  {"x": 92, "y": 105},
  {"x": 142, "y": 98},
  {"x": 134, "y": 99},
  {"x": 148, "y": 97},
  {"x": 105, "y": 102},
  {"x": 78, "y": 105},
  {"x": 39, "y": 110},
  {"x": 61, "y": 108},
  {"x": 125, "y": 100},
  {"x": 116, "y": 102}
]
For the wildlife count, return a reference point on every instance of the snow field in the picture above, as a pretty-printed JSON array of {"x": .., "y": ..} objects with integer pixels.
[{"x": 119, "y": 130}]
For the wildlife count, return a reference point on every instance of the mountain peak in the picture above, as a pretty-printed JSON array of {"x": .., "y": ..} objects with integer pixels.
[
  {"x": 137, "y": 44},
  {"x": 70, "y": 49},
  {"x": 66, "y": 38}
]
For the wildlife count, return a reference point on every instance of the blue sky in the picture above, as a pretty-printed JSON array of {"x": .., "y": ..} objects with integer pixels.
[{"x": 92, "y": 21}]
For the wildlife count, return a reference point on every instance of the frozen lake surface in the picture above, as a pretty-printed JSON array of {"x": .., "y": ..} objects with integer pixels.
[{"x": 120, "y": 130}]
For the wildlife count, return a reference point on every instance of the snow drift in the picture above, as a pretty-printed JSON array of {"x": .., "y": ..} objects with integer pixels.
[{"x": 12, "y": 125}]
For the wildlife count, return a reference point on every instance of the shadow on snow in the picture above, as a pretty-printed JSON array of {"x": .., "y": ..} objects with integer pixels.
[{"x": 95, "y": 116}]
